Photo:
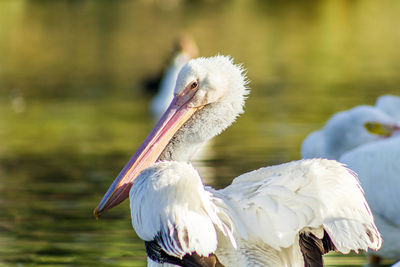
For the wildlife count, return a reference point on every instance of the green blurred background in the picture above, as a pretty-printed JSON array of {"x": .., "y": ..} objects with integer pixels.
[{"x": 73, "y": 108}]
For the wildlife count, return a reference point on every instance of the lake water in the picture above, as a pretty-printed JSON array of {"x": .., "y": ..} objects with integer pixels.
[{"x": 73, "y": 110}]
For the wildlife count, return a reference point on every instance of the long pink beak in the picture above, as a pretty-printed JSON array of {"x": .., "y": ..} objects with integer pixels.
[{"x": 176, "y": 115}]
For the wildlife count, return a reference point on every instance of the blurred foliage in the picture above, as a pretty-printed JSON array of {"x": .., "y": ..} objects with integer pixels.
[
  {"x": 92, "y": 48},
  {"x": 72, "y": 110}
]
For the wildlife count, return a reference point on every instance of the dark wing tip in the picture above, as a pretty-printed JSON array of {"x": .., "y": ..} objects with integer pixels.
[
  {"x": 313, "y": 248},
  {"x": 157, "y": 254}
]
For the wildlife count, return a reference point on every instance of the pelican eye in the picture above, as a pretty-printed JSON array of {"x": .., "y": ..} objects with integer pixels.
[{"x": 194, "y": 85}]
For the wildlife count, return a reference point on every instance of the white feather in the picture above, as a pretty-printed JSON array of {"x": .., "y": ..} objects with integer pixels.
[
  {"x": 292, "y": 196},
  {"x": 184, "y": 222}
]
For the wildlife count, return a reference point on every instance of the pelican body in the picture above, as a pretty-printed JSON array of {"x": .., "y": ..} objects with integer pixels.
[
  {"x": 273, "y": 216},
  {"x": 286, "y": 215}
]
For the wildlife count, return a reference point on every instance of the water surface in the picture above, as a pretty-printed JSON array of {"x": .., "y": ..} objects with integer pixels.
[{"x": 73, "y": 110}]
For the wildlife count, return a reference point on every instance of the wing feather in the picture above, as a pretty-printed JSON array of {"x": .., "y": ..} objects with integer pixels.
[
  {"x": 276, "y": 203},
  {"x": 169, "y": 205}
]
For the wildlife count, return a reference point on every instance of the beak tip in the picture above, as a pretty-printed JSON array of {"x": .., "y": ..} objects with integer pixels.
[{"x": 96, "y": 213}]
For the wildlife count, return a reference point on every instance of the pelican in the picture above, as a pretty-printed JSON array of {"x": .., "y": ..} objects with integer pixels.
[
  {"x": 285, "y": 215},
  {"x": 345, "y": 131},
  {"x": 367, "y": 140}
]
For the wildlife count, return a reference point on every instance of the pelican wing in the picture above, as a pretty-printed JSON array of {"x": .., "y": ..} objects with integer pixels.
[
  {"x": 276, "y": 203},
  {"x": 170, "y": 207}
]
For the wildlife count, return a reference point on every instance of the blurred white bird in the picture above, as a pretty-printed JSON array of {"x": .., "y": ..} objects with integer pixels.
[
  {"x": 347, "y": 130},
  {"x": 285, "y": 215},
  {"x": 368, "y": 141}
]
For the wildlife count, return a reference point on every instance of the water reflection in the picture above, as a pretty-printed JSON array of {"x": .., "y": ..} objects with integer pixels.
[{"x": 77, "y": 65}]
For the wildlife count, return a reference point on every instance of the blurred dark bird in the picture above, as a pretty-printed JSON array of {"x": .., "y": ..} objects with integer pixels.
[
  {"x": 164, "y": 82},
  {"x": 185, "y": 49},
  {"x": 18, "y": 102}
]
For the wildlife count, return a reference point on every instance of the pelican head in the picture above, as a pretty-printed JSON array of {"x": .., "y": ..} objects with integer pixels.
[
  {"x": 214, "y": 79},
  {"x": 217, "y": 89},
  {"x": 349, "y": 129},
  {"x": 209, "y": 95}
]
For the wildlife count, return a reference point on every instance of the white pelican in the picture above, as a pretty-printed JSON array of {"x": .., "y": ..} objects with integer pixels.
[
  {"x": 286, "y": 215},
  {"x": 344, "y": 131},
  {"x": 374, "y": 154}
]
